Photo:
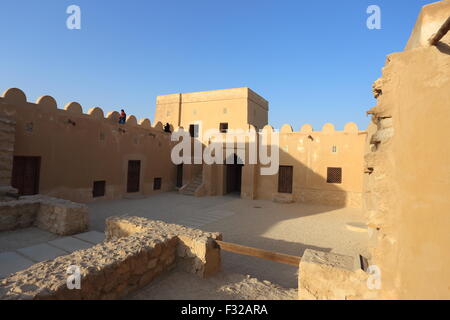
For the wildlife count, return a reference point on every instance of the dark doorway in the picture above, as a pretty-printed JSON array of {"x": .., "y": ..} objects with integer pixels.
[
  {"x": 179, "y": 175},
  {"x": 134, "y": 172},
  {"x": 234, "y": 176},
  {"x": 285, "y": 177},
  {"x": 25, "y": 175}
]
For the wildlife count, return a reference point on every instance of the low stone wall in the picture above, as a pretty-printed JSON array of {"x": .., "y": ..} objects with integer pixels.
[
  {"x": 54, "y": 215},
  {"x": 137, "y": 250},
  {"x": 109, "y": 270},
  {"x": 197, "y": 249}
]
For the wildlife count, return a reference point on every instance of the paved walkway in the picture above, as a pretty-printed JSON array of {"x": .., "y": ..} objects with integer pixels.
[
  {"x": 17, "y": 258},
  {"x": 170, "y": 207}
]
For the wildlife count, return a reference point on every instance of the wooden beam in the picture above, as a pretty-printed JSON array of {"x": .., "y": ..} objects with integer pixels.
[
  {"x": 441, "y": 33},
  {"x": 259, "y": 253}
]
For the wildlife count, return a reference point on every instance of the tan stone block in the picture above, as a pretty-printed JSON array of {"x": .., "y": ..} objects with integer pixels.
[
  {"x": 328, "y": 276},
  {"x": 138, "y": 264}
]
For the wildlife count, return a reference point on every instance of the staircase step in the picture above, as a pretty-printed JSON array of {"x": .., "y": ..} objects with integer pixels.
[{"x": 192, "y": 187}]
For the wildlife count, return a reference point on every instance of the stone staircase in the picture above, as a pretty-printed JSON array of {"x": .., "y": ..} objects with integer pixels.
[
  {"x": 191, "y": 187},
  {"x": 8, "y": 193}
]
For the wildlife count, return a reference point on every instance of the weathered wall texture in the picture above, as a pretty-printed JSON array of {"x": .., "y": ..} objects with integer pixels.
[
  {"x": 428, "y": 23},
  {"x": 77, "y": 149},
  {"x": 408, "y": 190},
  {"x": 109, "y": 270},
  {"x": 136, "y": 252},
  {"x": 54, "y": 215},
  {"x": 197, "y": 249},
  {"x": 7, "y": 136}
]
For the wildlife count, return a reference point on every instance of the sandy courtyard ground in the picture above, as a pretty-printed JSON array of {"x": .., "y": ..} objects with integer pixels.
[
  {"x": 179, "y": 285},
  {"x": 285, "y": 228}
]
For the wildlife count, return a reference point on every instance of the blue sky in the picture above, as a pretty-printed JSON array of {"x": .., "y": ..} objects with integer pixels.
[{"x": 315, "y": 61}]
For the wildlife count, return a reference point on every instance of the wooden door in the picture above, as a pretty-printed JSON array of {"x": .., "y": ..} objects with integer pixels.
[
  {"x": 285, "y": 179},
  {"x": 25, "y": 175},
  {"x": 134, "y": 172}
]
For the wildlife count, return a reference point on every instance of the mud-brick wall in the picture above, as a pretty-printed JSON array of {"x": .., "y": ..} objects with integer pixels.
[
  {"x": 311, "y": 153},
  {"x": 407, "y": 188},
  {"x": 77, "y": 149},
  {"x": 7, "y": 134}
]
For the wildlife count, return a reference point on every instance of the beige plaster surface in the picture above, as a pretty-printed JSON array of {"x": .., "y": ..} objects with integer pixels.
[
  {"x": 238, "y": 107},
  {"x": 408, "y": 190}
]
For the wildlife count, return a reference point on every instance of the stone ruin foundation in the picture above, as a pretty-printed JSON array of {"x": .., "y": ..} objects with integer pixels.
[
  {"x": 136, "y": 251},
  {"x": 58, "y": 216}
]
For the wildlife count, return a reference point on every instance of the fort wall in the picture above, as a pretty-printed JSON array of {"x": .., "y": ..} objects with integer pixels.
[
  {"x": 76, "y": 149},
  {"x": 407, "y": 188},
  {"x": 311, "y": 153}
]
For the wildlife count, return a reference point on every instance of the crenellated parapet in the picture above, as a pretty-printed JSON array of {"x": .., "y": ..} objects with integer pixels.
[
  {"x": 350, "y": 128},
  {"x": 17, "y": 97}
]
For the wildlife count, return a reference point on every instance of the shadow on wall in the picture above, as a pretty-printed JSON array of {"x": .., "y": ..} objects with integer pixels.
[
  {"x": 306, "y": 182},
  {"x": 318, "y": 167},
  {"x": 443, "y": 48}
]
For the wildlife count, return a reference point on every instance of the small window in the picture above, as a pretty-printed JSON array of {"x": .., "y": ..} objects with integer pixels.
[
  {"x": 334, "y": 149},
  {"x": 193, "y": 130},
  {"x": 334, "y": 175},
  {"x": 157, "y": 184},
  {"x": 225, "y": 110},
  {"x": 224, "y": 127},
  {"x": 98, "y": 189}
]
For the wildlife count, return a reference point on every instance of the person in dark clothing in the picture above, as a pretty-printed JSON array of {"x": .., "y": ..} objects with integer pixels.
[
  {"x": 167, "y": 128},
  {"x": 123, "y": 117}
]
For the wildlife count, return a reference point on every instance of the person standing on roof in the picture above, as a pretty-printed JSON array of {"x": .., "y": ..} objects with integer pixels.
[{"x": 123, "y": 117}]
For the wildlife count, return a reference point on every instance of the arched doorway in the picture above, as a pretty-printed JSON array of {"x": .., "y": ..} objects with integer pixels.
[{"x": 234, "y": 176}]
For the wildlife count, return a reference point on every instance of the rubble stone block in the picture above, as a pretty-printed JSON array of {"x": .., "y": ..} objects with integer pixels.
[
  {"x": 54, "y": 215},
  {"x": 329, "y": 276},
  {"x": 196, "y": 248}
]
